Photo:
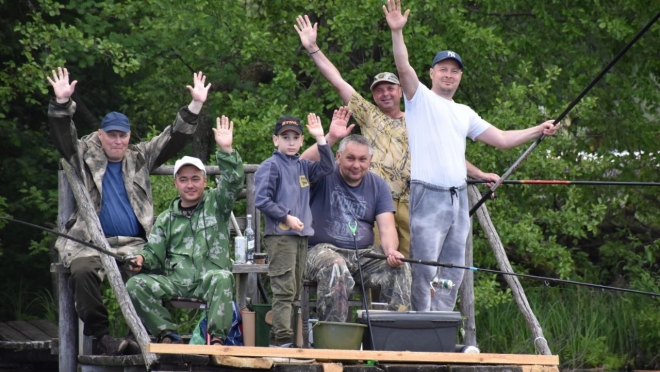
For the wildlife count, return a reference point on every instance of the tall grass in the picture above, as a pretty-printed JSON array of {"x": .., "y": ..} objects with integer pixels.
[
  {"x": 586, "y": 328},
  {"x": 21, "y": 304}
]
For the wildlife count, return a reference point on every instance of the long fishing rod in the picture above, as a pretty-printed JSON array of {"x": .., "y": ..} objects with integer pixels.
[
  {"x": 544, "y": 278},
  {"x": 563, "y": 114},
  {"x": 353, "y": 225},
  {"x": 565, "y": 182},
  {"x": 121, "y": 258}
]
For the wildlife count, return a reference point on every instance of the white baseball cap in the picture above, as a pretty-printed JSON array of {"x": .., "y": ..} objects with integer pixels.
[{"x": 189, "y": 160}]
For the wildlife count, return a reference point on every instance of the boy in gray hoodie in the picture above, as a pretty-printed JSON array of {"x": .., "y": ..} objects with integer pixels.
[{"x": 282, "y": 194}]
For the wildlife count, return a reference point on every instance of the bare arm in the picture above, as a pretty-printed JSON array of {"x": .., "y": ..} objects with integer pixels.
[
  {"x": 308, "y": 34},
  {"x": 396, "y": 21},
  {"x": 339, "y": 129},
  {"x": 389, "y": 239},
  {"x": 477, "y": 174},
  {"x": 512, "y": 138}
]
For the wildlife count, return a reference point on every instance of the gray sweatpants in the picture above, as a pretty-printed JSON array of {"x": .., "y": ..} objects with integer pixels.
[{"x": 439, "y": 227}]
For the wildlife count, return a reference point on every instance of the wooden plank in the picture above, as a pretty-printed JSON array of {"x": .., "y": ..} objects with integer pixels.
[
  {"x": 381, "y": 356},
  {"x": 249, "y": 268},
  {"x": 29, "y": 330},
  {"x": 8, "y": 333},
  {"x": 46, "y": 326},
  {"x": 332, "y": 367},
  {"x": 254, "y": 363},
  {"x": 540, "y": 369},
  {"x": 211, "y": 170},
  {"x": 25, "y": 345}
]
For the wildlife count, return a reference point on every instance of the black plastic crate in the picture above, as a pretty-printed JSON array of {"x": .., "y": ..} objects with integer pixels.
[{"x": 433, "y": 331}]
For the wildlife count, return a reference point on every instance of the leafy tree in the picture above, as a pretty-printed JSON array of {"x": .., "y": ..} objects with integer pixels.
[{"x": 525, "y": 61}]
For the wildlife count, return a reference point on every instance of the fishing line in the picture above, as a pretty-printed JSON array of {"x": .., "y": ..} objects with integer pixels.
[
  {"x": 529, "y": 276},
  {"x": 562, "y": 115},
  {"x": 121, "y": 258},
  {"x": 567, "y": 182}
]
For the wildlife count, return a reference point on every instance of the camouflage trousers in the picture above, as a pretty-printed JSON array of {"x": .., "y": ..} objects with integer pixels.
[
  {"x": 148, "y": 291},
  {"x": 335, "y": 271}
]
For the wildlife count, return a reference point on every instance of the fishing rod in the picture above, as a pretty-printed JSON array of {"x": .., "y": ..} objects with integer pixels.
[
  {"x": 566, "y": 182},
  {"x": 529, "y": 276},
  {"x": 128, "y": 258},
  {"x": 353, "y": 225},
  {"x": 563, "y": 114}
]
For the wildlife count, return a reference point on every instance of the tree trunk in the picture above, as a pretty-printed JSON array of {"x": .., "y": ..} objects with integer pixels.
[
  {"x": 540, "y": 343},
  {"x": 88, "y": 214}
]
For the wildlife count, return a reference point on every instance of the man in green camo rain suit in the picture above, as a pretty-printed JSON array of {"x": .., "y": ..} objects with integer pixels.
[{"x": 187, "y": 254}]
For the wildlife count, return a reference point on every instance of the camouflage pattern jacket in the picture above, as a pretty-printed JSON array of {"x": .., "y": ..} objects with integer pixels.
[
  {"x": 186, "y": 248},
  {"x": 87, "y": 157}
]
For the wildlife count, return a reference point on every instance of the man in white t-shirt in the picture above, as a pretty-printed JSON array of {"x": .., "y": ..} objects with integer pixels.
[{"x": 437, "y": 128}]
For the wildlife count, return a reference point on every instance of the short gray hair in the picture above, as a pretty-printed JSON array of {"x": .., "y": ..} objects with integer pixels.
[{"x": 357, "y": 138}]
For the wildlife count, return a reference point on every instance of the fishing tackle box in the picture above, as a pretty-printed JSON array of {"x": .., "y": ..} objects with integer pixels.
[{"x": 431, "y": 331}]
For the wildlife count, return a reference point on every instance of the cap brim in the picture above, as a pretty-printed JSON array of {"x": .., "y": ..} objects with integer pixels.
[
  {"x": 289, "y": 127},
  {"x": 110, "y": 128},
  {"x": 375, "y": 83}
]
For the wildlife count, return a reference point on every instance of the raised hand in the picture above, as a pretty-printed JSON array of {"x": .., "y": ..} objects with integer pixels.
[
  {"x": 307, "y": 32},
  {"x": 199, "y": 92},
  {"x": 395, "y": 19},
  {"x": 60, "y": 82},
  {"x": 339, "y": 127},
  {"x": 314, "y": 125},
  {"x": 223, "y": 133}
]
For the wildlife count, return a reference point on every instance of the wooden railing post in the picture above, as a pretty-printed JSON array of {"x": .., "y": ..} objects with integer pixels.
[
  {"x": 68, "y": 320},
  {"x": 467, "y": 297},
  {"x": 540, "y": 343},
  {"x": 88, "y": 214}
]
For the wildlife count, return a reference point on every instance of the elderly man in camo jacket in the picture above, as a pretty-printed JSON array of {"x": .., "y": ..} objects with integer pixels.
[{"x": 116, "y": 175}]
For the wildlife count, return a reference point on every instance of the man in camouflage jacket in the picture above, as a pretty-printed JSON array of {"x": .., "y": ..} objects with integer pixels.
[
  {"x": 188, "y": 250},
  {"x": 105, "y": 160}
]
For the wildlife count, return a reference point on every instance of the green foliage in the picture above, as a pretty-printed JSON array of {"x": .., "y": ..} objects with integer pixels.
[
  {"x": 586, "y": 328},
  {"x": 525, "y": 61}
]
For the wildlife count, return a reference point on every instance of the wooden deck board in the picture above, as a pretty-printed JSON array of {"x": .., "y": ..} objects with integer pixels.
[
  {"x": 29, "y": 330},
  {"x": 46, "y": 326},
  {"x": 8, "y": 333},
  {"x": 381, "y": 356}
]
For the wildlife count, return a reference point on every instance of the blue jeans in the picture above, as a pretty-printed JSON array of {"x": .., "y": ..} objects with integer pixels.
[{"x": 439, "y": 227}]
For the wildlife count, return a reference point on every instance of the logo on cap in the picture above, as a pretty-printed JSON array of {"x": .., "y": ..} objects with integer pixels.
[
  {"x": 288, "y": 123},
  {"x": 448, "y": 54}
]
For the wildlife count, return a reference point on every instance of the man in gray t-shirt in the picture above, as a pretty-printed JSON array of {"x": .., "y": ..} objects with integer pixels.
[{"x": 352, "y": 199}]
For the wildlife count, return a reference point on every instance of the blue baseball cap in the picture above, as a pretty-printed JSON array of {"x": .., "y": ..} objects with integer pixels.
[
  {"x": 446, "y": 54},
  {"x": 115, "y": 121}
]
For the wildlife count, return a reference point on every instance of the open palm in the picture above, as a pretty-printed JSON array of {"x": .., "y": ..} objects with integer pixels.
[
  {"x": 60, "y": 82},
  {"x": 224, "y": 132},
  {"x": 395, "y": 19},
  {"x": 199, "y": 92},
  {"x": 306, "y": 31}
]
